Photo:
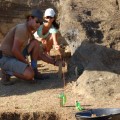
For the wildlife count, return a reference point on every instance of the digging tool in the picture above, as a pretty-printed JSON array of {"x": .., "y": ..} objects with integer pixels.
[
  {"x": 62, "y": 95},
  {"x": 61, "y": 75}
]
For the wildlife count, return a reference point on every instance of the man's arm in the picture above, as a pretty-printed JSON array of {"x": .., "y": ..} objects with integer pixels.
[
  {"x": 49, "y": 59},
  {"x": 46, "y": 58},
  {"x": 16, "y": 50}
]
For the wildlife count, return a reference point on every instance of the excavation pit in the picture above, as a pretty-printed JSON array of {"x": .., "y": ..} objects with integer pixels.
[{"x": 28, "y": 116}]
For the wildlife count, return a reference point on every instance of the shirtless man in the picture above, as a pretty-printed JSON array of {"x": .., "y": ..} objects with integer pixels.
[{"x": 12, "y": 60}]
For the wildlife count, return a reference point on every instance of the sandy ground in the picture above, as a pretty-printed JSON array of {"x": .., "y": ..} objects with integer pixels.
[
  {"x": 25, "y": 97},
  {"x": 41, "y": 96}
]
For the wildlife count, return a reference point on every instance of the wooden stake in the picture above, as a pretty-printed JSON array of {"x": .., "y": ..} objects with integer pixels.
[{"x": 60, "y": 70}]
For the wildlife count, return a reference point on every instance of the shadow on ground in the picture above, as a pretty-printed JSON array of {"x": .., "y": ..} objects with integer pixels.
[{"x": 22, "y": 87}]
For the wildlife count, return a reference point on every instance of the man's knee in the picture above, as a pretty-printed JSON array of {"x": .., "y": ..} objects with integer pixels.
[
  {"x": 29, "y": 74},
  {"x": 34, "y": 43}
]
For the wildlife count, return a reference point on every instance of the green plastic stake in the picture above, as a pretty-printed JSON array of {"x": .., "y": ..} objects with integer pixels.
[
  {"x": 62, "y": 97},
  {"x": 78, "y": 106}
]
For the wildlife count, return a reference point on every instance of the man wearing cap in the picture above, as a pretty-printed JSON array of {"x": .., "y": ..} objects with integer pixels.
[{"x": 12, "y": 58}]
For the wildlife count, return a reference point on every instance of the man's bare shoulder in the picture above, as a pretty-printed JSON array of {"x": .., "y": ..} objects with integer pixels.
[{"x": 21, "y": 26}]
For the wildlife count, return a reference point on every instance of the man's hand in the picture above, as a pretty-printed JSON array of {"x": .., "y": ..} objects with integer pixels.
[
  {"x": 57, "y": 47},
  {"x": 44, "y": 42}
]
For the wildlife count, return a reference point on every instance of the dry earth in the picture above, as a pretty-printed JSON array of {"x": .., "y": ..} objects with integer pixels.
[
  {"x": 25, "y": 97},
  {"x": 98, "y": 21},
  {"x": 28, "y": 101}
]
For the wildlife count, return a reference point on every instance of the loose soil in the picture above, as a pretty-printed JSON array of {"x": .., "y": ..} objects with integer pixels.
[{"x": 40, "y": 101}]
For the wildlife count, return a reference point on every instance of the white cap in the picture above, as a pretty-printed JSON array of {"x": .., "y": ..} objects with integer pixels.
[{"x": 49, "y": 12}]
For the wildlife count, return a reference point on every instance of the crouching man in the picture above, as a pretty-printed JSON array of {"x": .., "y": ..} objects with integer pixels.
[{"x": 12, "y": 60}]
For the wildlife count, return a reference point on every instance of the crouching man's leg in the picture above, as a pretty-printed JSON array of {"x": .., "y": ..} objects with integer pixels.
[
  {"x": 33, "y": 50},
  {"x": 5, "y": 78},
  {"x": 12, "y": 66},
  {"x": 28, "y": 74}
]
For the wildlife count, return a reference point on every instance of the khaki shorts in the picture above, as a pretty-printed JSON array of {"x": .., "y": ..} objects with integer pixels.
[{"x": 12, "y": 65}]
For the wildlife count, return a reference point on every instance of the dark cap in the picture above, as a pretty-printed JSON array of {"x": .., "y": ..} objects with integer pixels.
[{"x": 37, "y": 13}]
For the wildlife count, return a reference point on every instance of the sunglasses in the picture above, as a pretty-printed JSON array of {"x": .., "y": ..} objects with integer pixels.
[
  {"x": 40, "y": 22},
  {"x": 49, "y": 17}
]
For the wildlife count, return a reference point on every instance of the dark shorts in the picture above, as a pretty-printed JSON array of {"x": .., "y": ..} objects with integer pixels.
[{"x": 12, "y": 65}]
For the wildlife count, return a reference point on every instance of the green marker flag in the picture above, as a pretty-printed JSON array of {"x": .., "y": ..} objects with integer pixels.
[
  {"x": 78, "y": 106},
  {"x": 62, "y": 97}
]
